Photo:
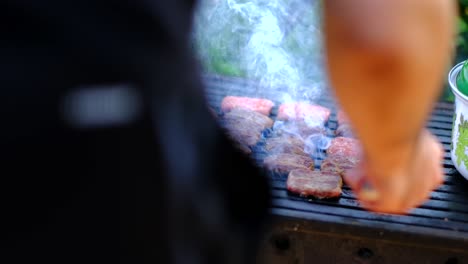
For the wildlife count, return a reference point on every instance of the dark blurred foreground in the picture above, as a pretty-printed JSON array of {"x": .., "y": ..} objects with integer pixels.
[{"x": 108, "y": 152}]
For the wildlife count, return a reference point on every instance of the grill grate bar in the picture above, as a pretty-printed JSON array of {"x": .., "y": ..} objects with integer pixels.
[
  {"x": 440, "y": 217},
  {"x": 437, "y": 201},
  {"x": 445, "y": 119},
  {"x": 323, "y": 208}
]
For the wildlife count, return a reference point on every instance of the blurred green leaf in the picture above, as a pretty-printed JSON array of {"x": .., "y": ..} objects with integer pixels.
[
  {"x": 462, "y": 26},
  {"x": 223, "y": 30}
]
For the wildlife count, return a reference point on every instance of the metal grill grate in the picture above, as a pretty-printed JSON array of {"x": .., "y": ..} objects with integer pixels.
[{"x": 444, "y": 215}]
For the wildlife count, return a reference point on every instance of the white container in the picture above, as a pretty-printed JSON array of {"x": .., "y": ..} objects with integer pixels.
[{"x": 459, "y": 148}]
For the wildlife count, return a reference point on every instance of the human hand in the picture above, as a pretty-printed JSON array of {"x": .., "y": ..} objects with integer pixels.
[{"x": 403, "y": 188}]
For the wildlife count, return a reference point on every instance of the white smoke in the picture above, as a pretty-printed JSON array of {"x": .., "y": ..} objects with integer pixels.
[{"x": 277, "y": 43}]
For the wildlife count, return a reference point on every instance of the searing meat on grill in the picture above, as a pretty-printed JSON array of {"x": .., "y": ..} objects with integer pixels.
[
  {"x": 245, "y": 127},
  {"x": 304, "y": 111},
  {"x": 343, "y": 146},
  {"x": 297, "y": 128},
  {"x": 285, "y": 144},
  {"x": 338, "y": 164},
  {"x": 262, "y": 106},
  {"x": 241, "y": 115},
  {"x": 343, "y": 154},
  {"x": 318, "y": 184},
  {"x": 284, "y": 163},
  {"x": 243, "y": 136},
  {"x": 344, "y": 130}
]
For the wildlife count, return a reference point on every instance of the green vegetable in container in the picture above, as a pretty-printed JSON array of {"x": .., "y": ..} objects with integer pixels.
[{"x": 462, "y": 79}]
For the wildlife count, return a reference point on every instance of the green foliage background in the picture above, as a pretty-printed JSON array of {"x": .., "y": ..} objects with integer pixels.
[
  {"x": 461, "y": 45},
  {"x": 462, "y": 41},
  {"x": 221, "y": 36}
]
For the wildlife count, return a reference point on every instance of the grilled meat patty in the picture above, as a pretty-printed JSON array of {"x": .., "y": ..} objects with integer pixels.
[
  {"x": 343, "y": 146},
  {"x": 338, "y": 164},
  {"x": 245, "y": 127},
  {"x": 242, "y": 115},
  {"x": 285, "y": 144},
  {"x": 284, "y": 163},
  {"x": 259, "y": 105},
  {"x": 304, "y": 111},
  {"x": 343, "y": 154},
  {"x": 297, "y": 128},
  {"x": 318, "y": 184}
]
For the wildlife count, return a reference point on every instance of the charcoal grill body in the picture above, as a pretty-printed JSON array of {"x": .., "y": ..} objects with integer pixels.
[{"x": 340, "y": 231}]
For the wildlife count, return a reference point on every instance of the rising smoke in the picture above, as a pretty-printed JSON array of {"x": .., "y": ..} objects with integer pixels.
[{"x": 277, "y": 43}]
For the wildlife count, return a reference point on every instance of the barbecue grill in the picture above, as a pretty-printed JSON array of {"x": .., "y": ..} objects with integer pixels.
[{"x": 340, "y": 231}]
